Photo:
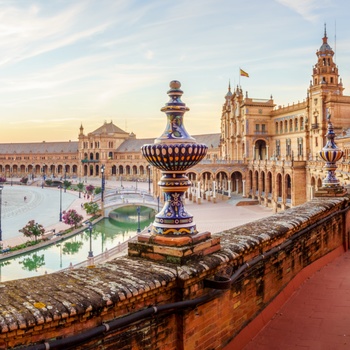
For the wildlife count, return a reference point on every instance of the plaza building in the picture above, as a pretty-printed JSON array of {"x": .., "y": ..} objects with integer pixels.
[
  {"x": 279, "y": 146},
  {"x": 109, "y": 146},
  {"x": 264, "y": 151}
]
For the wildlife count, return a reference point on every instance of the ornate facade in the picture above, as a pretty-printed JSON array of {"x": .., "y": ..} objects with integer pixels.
[
  {"x": 280, "y": 145},
  {"x": 109, "y": 146}
]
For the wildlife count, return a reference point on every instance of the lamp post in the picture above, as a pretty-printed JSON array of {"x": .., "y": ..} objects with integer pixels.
[
  {"x": 103, "y": 183},
  {"x": 91, "y": 254},
  {"x": 1, "y": 188},
  {"x": 138, "y": 220},
  {"x": 60, "y": 187},
  {"x": 149, "y": 179},
  {"x": 65, "y": 177}
]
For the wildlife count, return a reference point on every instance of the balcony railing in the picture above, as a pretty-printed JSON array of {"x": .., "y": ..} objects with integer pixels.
[{"x": 90, "y": 161}]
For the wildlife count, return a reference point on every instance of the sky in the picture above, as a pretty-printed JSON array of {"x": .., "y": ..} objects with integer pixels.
[{"x": 65, "y": 63}]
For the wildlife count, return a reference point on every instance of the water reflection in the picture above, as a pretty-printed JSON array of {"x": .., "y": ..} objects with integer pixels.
[{"x": 105, "y": 235}]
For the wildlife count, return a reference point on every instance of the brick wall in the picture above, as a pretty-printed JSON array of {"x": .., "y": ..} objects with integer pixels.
[{"x": 67, "y": 304}]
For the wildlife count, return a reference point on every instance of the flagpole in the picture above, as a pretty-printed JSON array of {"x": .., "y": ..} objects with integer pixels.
[{"x": 239, "y": 77}]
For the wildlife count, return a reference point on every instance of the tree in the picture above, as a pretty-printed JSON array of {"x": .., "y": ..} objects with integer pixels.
[
  {"x": 91, "y": 208},
  {"x": 32, "y": 229},
  {"x": 80, "y": 186},
  {"x": 72, "y": 218},
  {"x": 66, "y": 184},
  {"x": 98, "y": 190}
]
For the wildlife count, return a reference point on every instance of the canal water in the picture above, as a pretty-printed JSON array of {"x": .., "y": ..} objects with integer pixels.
[{"x": 106, "y": 234}]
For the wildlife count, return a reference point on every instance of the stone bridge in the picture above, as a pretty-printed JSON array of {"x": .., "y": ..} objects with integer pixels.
[{"x": 114, "y": 199}]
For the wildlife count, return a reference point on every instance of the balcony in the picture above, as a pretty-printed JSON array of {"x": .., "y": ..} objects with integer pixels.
[
  {"x": 90, "y": 161},
  {"x": 315, "y": 126}
]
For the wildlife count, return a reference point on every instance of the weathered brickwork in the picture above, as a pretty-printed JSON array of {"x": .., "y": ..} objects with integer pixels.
[{"x": 63, "y": 305}]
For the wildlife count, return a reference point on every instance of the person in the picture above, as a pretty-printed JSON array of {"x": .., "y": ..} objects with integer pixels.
[{"x": 25, "y": 198}]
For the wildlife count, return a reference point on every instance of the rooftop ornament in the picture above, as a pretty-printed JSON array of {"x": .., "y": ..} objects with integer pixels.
[
  {"x": 174, "y": 152},
  {"x": 330, "y": 153}
]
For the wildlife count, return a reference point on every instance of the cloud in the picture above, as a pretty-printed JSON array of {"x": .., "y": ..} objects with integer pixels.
[{"x": 308, "y": 9}]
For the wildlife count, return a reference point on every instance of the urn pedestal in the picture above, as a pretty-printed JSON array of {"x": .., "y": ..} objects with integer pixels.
[{"x": 174, "y": 236}]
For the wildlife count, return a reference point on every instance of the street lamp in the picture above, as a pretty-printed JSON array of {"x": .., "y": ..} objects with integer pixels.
[
  {"x": 138, "y": 219},
  {"x": 1, "y": 188},
  {"x": 103, "y": 183},
  {"x": 60, "y": 187},
  {"x": 149, "y": 179},
  {"x": 65, "y": 177},
  {"x": 91, "y": 254}
]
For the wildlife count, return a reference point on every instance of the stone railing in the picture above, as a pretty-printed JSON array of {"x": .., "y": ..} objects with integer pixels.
[{"x": 141, "y": 304}]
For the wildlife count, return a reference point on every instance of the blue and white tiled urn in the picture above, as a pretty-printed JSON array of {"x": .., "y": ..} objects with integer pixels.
[
  {"x": 174, "y": 152},
  {"x": 330, "y": 153}
]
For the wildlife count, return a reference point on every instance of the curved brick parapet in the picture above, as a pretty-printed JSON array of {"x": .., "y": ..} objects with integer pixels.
[{"x": 67, "y": 304}]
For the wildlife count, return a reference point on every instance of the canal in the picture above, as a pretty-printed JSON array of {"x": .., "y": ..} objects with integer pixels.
[{"x": 105, "y": 235}]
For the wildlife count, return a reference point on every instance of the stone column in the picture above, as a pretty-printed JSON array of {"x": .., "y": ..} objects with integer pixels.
[
  {"x": 237, "y": 186},
  {"x": 199, "y": 192},
  {"x": 214, "y": 191},
  {"x": 243, "y": 189},
  {"x": 229, "y": 188}
]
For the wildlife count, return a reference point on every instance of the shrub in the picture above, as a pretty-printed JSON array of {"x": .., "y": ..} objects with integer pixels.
[
  {"x": 72, "y": 218},
  {"x": 90, "y": 188},
  {"x": 24, "y": 180}
]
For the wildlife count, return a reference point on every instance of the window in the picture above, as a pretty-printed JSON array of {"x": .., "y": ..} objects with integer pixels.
[
  {"x": 257, "y": 127},
  {"x": 288, "y": 148},
  {"x": 278, "y": 150},
  {"x": 316, "y": 141},
  {"x": 263, "y": 127}
]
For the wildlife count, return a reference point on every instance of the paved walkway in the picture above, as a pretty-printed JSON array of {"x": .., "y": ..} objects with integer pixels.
[{"x": 316, "y": 317}]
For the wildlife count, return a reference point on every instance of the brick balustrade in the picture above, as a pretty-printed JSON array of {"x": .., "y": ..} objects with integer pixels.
[{"x": 131, "y": 303}]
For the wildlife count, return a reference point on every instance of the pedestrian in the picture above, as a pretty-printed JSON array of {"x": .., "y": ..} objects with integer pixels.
[{"x": 25, "y": 198}]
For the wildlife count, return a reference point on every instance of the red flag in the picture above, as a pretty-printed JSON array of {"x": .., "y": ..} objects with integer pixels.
[{"x": 243, "y": 73}]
